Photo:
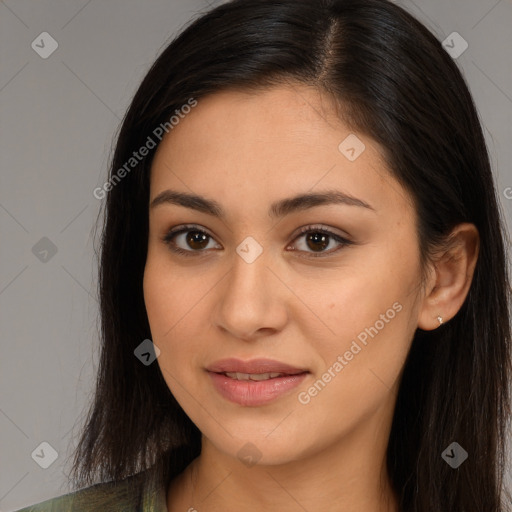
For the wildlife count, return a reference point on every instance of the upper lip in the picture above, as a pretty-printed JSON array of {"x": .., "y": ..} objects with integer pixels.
[{"x": 233, "y": 365}]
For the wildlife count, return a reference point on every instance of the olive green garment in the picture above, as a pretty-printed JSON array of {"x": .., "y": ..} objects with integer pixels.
[{"x": 124, "y": 496}]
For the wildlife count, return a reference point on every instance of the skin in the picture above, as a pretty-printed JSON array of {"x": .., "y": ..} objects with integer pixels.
[{"x": 246, "y": 151}]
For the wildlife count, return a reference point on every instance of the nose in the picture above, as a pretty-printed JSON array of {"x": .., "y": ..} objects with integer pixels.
[{"x": 251, "y": 302}]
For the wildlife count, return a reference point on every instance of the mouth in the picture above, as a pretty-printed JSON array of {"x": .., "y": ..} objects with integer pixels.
[
  {"x": 253, "y": 367},
  {"x": 256, "y": 382},
  {"x": 257, "y": 376}
]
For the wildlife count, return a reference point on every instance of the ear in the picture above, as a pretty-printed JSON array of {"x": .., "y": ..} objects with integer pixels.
[{"x": 451, "y": 277}]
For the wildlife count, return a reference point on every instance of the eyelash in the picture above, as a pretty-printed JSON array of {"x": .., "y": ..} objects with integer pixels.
[{"x": 167, "y": 239}]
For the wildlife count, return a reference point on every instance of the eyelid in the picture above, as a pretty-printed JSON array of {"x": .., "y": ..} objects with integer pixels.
[
  {"x": 186, "y": 227},
  {"x": 322, "y": 229}
]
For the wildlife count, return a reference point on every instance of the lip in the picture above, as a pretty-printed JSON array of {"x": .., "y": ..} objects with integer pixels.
[
  {"x": 261, "y": 365},
  {"x": 254, "y": 393}
]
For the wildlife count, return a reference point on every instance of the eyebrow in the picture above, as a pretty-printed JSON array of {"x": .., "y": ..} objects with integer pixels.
[{"x": 280, "y": 208}]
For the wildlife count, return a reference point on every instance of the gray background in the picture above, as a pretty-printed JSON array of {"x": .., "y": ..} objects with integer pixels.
[{"x": 58, "y": 119}]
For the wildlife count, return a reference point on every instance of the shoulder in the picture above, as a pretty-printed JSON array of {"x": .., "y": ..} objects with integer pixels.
[{"x": 127, "y": 495}]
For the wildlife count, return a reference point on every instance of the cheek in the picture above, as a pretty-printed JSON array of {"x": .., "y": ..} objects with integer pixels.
[
  {"x": 354, "y": 300},
  {"x": 175, "y": 308},
  {"x": 360, "y": 366},
  {"x": 370, "y": 335},
  {"x": 369, "y": 312},
  {"x": 169, "y": 295},
  {"x": 157, "y": 300}
]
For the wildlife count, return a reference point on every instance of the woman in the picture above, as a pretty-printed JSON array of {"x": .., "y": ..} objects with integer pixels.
[{"x": 303, "y": 281}]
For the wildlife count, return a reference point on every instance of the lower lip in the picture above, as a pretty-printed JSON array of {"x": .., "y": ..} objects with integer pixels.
[{"x": 252, "y": 393}]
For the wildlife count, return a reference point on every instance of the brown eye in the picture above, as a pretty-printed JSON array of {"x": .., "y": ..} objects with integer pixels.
[
  {"x": 188, "y": 240},
  {"x": 192, "y": 241},
  {"x": 317, "y": 241},
  {"x": 196, "y": 239}
]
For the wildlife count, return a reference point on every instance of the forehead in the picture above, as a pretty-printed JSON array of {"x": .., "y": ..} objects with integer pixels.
[{"x": 266, "y": 144}]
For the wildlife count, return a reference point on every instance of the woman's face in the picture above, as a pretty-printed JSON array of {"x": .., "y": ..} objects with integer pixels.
[{"x": 253, "y": 286}]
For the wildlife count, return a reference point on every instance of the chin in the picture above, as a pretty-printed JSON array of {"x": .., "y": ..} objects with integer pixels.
[{"x": 259, "y": 449}]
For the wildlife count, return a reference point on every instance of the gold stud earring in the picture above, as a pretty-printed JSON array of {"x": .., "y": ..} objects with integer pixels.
[{"x": 440, "y": 320}]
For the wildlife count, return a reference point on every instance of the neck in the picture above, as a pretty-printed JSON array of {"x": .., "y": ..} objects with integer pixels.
[{"x": 350, "y": 475}]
